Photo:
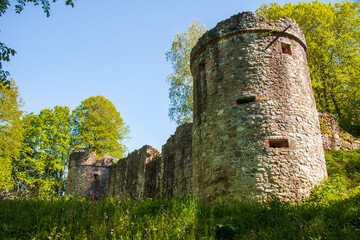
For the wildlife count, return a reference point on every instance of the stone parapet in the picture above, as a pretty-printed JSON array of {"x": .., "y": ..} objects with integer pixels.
[{"x": 246, "y": 23}]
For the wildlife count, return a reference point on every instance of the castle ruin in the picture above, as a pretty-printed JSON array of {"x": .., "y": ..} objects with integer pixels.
[
  {"x": 255, "y": 134},
  {"x": 256, "y": 131}
]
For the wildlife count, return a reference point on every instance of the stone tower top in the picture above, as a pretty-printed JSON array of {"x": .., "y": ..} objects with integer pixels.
[
  {"x": 247, "y": 22},
  {"x": 88, "y": 158}
]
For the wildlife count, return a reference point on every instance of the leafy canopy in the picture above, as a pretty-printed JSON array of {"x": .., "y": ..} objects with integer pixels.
[
  {"x": 40, "y": 167},
  {"x": 6, "y": 52},
  {"x": 98, "y": 126},
  {"x": 10, "y": 131},
  {"x": 332, "y": 34},
  {"x": 181, "y": 81}
]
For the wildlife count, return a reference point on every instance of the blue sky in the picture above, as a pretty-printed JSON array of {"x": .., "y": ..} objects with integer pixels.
[{"x": 114, "y": 48}]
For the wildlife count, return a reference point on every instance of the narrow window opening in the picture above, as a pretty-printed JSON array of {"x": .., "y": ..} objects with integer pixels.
[
  {"x": 278, "y": 143},
  {"x": 286, "y": 48},
  {"x": 246, "y": 99},
  {"x": 201, "y": 66},
  {"x": 96, "y": 176}
]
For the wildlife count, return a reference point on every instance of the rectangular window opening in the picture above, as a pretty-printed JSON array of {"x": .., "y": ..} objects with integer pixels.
[
  {"x": 279, "y": 143},
  {"x": 246, "y": 99},
  {"x": 96, "y": 176},
  {"x": 201, "y": 66},
  {"x": 286, "y": 48}
]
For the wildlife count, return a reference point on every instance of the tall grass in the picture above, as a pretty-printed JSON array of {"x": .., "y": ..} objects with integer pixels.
[{"x": 332, "y": 212}]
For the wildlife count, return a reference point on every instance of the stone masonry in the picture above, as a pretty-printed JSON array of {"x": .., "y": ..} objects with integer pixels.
[
  {"x": 127, "y": 176},
  {"x": 256, "y": 132},
  {"x": 143, "y": 173},
  {"x": 334, "y": 137},
  {"x": 176, "y": 163},
  {"x": 87, "y": 175}
]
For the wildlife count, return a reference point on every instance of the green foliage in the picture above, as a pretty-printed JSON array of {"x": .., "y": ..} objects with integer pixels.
[
  {"x": 344, "y": 178},
  {"x": 10, "y": 131},
  {"x": 333, "y": 37},
  {"x": 107, "y": 218},
  {"x": 98, "y": 126},
  {"x": 176, "y": 218},
  {"x": 6, "y": 52},
  {"x": 345, "y": 164},
  {"x": 40, "y": 167},
  {"x": 181, "y": 81}
]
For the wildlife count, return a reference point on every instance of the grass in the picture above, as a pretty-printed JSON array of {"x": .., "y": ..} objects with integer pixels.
[{"x": 332, "y": 212}]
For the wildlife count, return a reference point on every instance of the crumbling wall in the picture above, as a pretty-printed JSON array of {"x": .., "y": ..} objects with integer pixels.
[
  {"x": 176, "y": 161},
  {"x": 128, "y": 175},
  {"x": 334, "y": 137},
  {"x": 145, "y": 173}
]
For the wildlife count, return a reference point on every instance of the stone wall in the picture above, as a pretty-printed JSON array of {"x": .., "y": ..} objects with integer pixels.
[
  {"x": 128, "y": 175},
  {"x": 256, "y": 132},
  {"x": 176, "y": 163},
  {"x": 143, "y": 173},
  {"x": 334, "y": 137}
]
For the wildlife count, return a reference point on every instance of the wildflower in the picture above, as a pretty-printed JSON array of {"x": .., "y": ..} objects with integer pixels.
[{"x": 63, "y": 229}]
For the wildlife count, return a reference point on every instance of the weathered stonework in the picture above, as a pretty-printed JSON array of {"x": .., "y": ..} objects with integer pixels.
[
  {"x": 128, "y": 175},
  {"x": 256, "y": 132},
  {"x": 87, "y": 175},
  {"x": 143, "y": 173},
  {"x": 334, "y": 137},
  {"x": 176, "y": 163}
]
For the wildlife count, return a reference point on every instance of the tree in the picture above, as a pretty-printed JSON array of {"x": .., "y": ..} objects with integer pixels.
[
  {"x": 332, "y": 34},
  {"x": 181, "y": 81},
  {"x": 40, "y": 167},
  {"x": 10, "y": 131},
  {"x": 6, "y": 52},
  {"x": 98, "y": 126}
]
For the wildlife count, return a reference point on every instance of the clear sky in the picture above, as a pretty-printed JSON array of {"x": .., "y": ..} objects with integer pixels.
[{"x": 114, "y": 48}]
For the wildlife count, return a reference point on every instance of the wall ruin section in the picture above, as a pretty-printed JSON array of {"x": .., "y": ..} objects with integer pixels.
[
  {"x": 143, "y": 173},
  {"x": 334, "y": 137}
]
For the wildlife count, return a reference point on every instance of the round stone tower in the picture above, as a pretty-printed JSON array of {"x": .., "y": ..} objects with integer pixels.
[
  {"x": 87, "y": 175},
  {"x": 256, "y": 131}
]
